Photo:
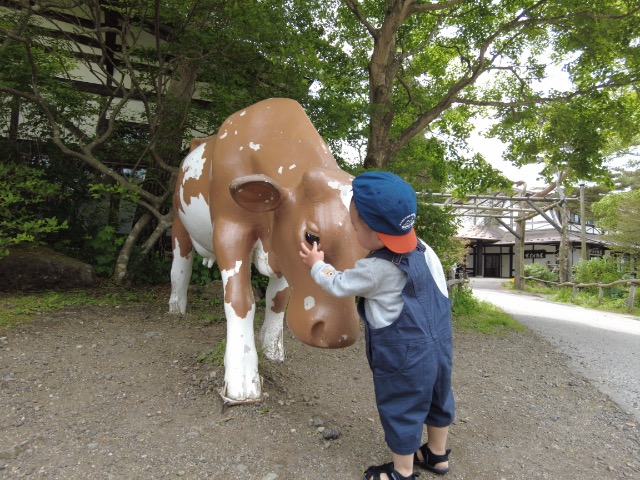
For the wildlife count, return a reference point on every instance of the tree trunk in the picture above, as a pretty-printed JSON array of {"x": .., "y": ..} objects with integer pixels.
[
  {"x": 383, "y": 69},
  {"x": 120, "y": 273},
  {"x": 174, "y": 111},
  {"x": 167, "y": 143}
]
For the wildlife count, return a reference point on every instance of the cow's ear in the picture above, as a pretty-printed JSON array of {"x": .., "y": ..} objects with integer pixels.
[{"x": 256, "y": 193}]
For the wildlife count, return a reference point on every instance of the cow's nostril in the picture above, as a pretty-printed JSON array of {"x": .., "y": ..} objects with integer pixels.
[{"x": 317, "y": 335}]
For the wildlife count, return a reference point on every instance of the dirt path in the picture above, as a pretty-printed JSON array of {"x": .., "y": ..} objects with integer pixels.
[{"x": 117, "y": 393}]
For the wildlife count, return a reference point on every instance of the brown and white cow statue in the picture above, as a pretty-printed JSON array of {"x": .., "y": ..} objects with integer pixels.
[{"x": 250, "y": 194}]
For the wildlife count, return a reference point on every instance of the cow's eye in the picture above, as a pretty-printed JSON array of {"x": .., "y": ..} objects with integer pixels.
[{"x": 310, "y": 238}]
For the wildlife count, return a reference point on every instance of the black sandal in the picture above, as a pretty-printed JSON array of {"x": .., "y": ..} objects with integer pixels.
[
  {"x": 431, "y": 460},
  {"x": 373, "y": 473}
]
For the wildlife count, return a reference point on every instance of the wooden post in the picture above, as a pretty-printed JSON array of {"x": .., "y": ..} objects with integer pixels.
[
  {"x": 600, "y": 294},
  {"x": 564, "y": 272},
  {"x": 632, "y": 297}
]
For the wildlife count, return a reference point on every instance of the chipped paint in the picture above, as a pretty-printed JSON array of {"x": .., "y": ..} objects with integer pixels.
[
  {"x": 224, "y": 135},
  {"x": 241, "y": 376},
  {"x": 227, "y": 274},
  {"x": 254, "y": 146},
  {"x": 292, "y": 166},
  {"x": 261, "y": 259},
  {"x": 280, "y": 170},
  {"x": 346, "y": 192},
  {"x": 193, "y": 164},
  {"x": 195, "y": 215},
  {"x": 309, "y": 303}
]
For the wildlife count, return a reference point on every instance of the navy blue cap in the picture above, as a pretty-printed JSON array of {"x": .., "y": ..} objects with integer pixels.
[{"x": 388, "y": 206}]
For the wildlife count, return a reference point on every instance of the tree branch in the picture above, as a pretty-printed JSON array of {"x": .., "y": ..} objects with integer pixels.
[
  {"x": 431, "y": 7},
  {"x": 354, "y": 6}
]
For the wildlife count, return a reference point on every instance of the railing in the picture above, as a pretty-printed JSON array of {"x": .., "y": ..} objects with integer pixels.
[
  {"x": 631, "y": 282},
  {"x": 456, "y": 281}
]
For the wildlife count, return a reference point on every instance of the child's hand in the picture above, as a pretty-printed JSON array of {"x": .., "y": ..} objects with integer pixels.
[{"x": 311, "y": 256}]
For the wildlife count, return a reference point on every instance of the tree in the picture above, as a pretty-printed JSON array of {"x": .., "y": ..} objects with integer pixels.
[
  {"x": 434, "y": 66},
  {"x": 581, "y": 136},
  {"x": 121, "y": 86},
  {"x": 619, "y": 215}
]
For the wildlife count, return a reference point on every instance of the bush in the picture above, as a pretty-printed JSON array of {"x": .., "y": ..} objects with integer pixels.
[
  {"x": 462, "y": 300},
  {"x": 101, "y": 250},
  {"x": 540, "y": 272},
  {"x": 597, "y": 270},
  {"x": 23, "y": 192}
]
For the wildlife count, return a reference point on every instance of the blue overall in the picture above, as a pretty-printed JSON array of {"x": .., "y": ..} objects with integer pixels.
[{"x": 411, "y": 358}]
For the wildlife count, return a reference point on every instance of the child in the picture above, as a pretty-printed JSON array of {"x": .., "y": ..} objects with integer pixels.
[{"x": 406, "y": 312}]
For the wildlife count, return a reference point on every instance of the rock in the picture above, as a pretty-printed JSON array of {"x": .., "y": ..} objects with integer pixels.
[
  {"x": 330, "y": 433},
  {"x": 40, "y": 268}
]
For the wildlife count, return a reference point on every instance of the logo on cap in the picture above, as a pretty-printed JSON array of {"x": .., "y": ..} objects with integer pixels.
[{"x": 408, "y": 221}]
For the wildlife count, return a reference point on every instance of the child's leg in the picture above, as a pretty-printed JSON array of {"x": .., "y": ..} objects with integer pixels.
[
  {"x": 437, "y": 438},
  {"x": 403, "y": 464},
  {"x": 437, "y": 441}
]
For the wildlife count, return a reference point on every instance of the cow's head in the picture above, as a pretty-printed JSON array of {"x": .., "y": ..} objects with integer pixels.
[{"x": 316, "y": 209}]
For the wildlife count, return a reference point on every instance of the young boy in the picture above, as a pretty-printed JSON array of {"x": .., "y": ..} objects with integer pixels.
[{"x": 406, "y": 312}]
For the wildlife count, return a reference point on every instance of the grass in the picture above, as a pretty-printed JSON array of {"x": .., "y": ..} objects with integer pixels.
[
  {"x": 588, "y": 298},
  {"x": 19, "y": 308},
  {"x": 615, "y": 299},
  {"x": 487, "y": 319},
  {"x": 215, "y": 356},
  {"x": 469, "y": 313}
]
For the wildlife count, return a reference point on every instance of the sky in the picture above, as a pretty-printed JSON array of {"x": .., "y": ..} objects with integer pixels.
[{"x": 493, "y": 149}]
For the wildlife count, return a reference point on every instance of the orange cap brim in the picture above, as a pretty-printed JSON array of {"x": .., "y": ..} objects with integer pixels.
[{"x": 399, "y": 243}]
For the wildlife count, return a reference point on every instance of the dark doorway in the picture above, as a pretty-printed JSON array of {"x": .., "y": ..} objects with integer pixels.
[{"x": 491, "y": 265}]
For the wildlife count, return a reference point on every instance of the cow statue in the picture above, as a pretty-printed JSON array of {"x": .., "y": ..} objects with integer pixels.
[{"x": 251, "y": 194}]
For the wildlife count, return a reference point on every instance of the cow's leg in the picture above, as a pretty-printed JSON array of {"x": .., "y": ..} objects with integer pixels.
[
  {"x": 272, "y": 328},
  {"x": 181, "y": 267},
  {"x": 242, "y": 380}
]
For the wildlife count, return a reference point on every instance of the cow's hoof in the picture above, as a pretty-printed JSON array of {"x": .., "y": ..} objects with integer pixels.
[{"x": 228, "y": 401}]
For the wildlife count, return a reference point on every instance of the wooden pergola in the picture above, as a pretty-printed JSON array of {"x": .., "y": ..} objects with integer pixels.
[{"x": 516, "y": 209}]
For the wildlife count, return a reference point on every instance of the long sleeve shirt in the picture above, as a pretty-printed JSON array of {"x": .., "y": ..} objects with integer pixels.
[{"x": 380, "y": 282}]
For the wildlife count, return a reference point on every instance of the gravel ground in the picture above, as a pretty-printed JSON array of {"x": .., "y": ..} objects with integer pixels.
[{"x": 104, "y": 392}]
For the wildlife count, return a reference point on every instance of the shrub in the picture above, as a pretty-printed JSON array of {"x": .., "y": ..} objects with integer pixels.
[
  {"x": 101, "y": 250},
  {"x": 540, "y": 272},
  {"x": 23, "y": 192},
  {"x": 462, "y": 300},
  {"x": 596, "y": 270}
]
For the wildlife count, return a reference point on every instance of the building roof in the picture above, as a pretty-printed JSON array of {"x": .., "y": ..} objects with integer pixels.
[
  {"x": 550, "y": 235},
  {"x": 497, "y": 236},
  {"x": 480, "y": 232}
]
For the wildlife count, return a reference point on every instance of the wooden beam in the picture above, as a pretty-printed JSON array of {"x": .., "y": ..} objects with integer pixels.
[
  {"x": 500, "y": 197},
  {"x": 508, "y": 227}
]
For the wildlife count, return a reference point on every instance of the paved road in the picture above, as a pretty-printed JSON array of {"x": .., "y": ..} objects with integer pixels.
[{"x": 605, "y": 347}]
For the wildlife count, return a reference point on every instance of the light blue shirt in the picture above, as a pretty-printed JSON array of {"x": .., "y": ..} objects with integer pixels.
[{"x": 379, "y": 281}]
